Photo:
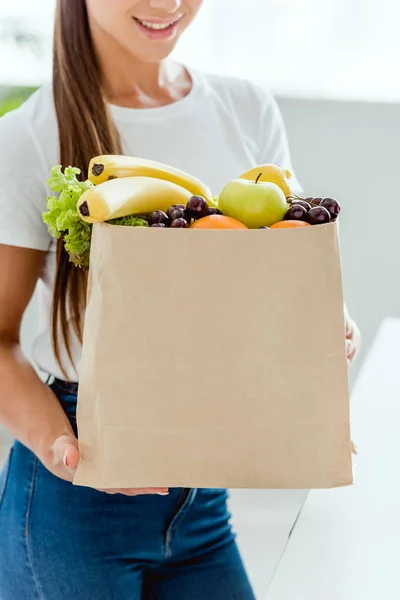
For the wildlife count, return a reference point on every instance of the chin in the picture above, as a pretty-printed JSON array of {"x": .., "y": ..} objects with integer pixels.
[
  {"x": 152, "y": 50},
  {"x": 153, "y": 54}
]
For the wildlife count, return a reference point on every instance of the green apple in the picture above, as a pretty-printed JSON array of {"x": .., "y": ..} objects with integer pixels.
[{"x": 255, "y": 204}]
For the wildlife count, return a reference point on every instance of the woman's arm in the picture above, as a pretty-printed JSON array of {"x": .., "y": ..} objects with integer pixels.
[{"x": 28, "y": 408}]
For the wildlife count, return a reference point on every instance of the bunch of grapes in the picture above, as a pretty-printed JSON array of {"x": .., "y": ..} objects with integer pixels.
[
  {"x": 180, "y": 215},
  {"x": 315, "y": 211}
]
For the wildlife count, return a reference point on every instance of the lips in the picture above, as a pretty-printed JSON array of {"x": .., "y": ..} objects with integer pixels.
[
  {"x": 158, "y": 24},
  {"x": 157, "y": 29}
]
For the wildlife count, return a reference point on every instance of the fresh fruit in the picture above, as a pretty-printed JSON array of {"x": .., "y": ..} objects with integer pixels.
[
  {"x": 264, "y": 227},
  {"x": 332, "y": 206},
  {"x": 314, "y": 201},
  {"x": 296, "y": 212},
  {"x": 253, "y": 203},
  {"x": 303, "y": 203},
  {"x": 129, "y": 196},
  {"x": 289, "y": 224},
  {"x": 181, "y": 222},
  {"x": 177, "y": 212},
  {"x": 159, "y": 217},
  {"x": 103, "y": 168},
  {"x": 214, "y": 211},
  {"x": 218, "y": 222},
  {"x": 158, "y": 225},
  {"x": 318, "y": 216},
  {"x": 271, "y": 174},
  {"x": 197, "y": 207}
]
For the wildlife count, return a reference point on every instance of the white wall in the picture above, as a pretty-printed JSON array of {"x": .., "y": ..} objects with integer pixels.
[{"x": 351, "y": 151}]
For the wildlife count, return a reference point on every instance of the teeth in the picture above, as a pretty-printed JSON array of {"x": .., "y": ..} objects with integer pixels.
[{"x": 155, "y": 26}]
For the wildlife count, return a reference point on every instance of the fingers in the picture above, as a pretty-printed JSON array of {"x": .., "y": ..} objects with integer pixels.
[
  {"x": 65, "y": 461},
  {"x": 349, "y": 329},
  {"x": 350, "y": 351},
  {"x": 71, "y": 457},
  {"x": 137, "y": 491},
  {"x": 66, "y": 451},
  {"x": 353, "y": 339}
]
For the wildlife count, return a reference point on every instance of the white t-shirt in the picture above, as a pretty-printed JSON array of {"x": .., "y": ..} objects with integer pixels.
[{"x": 223, "y": 127}]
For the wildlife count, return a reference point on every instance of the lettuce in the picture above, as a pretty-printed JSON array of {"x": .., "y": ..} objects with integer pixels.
[
  {"x": 131, "y": 221},
  {"x": 62, "y": 217}
]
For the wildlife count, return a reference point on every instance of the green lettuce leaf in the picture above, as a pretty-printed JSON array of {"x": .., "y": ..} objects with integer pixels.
[
  {"x": 62, "y": 216},
  {"x": 131, "y": 221}
]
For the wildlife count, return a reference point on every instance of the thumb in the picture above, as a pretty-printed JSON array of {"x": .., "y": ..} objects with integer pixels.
[
  {"x": 349, "y": 328},
  {"x": 66, "y": 451}
]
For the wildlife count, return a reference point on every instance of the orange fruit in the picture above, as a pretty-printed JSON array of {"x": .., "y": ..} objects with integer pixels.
[
  {"x": 273, "y": 174},
  {"x": 218, "y": 222},
  {"x": 288, "y": 223}
]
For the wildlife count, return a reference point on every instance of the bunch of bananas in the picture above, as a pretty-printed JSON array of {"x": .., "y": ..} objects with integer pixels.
[{"x": 126, "y": 186}]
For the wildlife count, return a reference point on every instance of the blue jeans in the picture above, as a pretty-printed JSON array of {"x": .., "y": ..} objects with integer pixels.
[{"x": 59, "y": 541}]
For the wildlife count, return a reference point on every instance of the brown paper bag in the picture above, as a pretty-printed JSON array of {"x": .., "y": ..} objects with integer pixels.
[{"x": 214, "y": 359}]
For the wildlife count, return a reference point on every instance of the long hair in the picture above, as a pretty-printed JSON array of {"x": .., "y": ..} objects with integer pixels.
[{"x": 85, "y": 130}]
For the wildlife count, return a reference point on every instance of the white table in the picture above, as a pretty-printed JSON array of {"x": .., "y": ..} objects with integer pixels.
[
  {"x": 346, "y": 543},
  {"x": 263, "y": 520}
]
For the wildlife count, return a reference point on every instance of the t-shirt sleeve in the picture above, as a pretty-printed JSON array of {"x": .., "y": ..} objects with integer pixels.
[
  {"x": 23, "y": 185},
  {"x": 274, "y": 145}
]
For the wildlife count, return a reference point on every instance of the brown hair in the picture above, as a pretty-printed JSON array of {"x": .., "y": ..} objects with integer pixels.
[{"x": 85, "y": 130}]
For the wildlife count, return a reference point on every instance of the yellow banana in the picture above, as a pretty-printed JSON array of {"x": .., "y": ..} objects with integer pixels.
[
  {"x": 129, "y": 196},
  {"x": 103, "y": 168},
  {"x": 272, "y": 174}
]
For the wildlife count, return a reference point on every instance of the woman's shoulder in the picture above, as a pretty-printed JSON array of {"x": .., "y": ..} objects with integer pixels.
[
  {"x": 25, "y": 135},
  {"x": 32, "y": 126},
  {"x": 236, "y": 90},
  {"x": 250, "y": 105}
]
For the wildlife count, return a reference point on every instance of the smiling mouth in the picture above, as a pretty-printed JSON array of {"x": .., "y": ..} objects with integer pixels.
[{"x": 152, "y": 26}]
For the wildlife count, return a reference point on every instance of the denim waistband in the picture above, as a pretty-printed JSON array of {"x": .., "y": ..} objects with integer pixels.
[{"x": 66, "y": 387}]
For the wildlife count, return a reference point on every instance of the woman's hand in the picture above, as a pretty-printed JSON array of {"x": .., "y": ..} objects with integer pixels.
[
  {"x": 65, "y": 461},
  {"x": 353, "y": 338}
]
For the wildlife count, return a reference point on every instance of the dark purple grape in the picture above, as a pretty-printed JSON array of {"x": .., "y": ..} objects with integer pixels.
[
  {"x": 314, "y": 201},
  {"x": 176, "y": 212},
  {"x": 303, "y": 203},
  {"x": 332, "y": 206},
  {"x": 318, "y": 215},
  {"x": 158, "y": 225},
  {"x": 159, "y": 217},
  {"x": 214, "y": 211},
  {"x": 180, "y": 222},
  {"x": 296, "y": 213},
  {"x": 197, "y": 207}
]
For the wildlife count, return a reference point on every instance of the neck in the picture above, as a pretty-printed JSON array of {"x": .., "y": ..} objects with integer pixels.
[{"x": 130, "y": 82}]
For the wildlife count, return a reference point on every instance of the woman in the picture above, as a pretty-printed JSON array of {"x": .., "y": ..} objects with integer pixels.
[{"x": 113, "y": 91}]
